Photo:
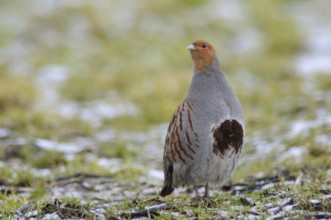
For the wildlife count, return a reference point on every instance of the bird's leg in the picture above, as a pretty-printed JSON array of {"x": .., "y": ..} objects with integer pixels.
[
  {"x": 196, "y": 190},
  {"x": 206, "y": 196}
]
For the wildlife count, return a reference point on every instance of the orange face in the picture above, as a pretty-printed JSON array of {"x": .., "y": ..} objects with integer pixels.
[{"x": 202, "y": 54}]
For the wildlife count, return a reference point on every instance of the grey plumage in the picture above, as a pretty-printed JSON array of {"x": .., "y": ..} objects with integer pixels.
[{"x": 205, "y": 136}]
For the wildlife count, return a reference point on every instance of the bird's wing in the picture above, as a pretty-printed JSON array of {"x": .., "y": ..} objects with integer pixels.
[
  {"x": 180, "y": 143},
  {"x": 168, "y": 162},
  {"x": 181, "y": 137}
]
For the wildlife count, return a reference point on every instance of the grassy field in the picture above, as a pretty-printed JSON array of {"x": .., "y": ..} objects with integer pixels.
[{"x": 87, "y": 90}]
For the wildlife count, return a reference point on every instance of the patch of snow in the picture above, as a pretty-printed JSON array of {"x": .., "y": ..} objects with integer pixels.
[
  {"x": 309, "y": 64},
  {"x": 15, "y": 141},
  {"x": 4, "y": 132},
  {"x": 101, "y": 109},
  {"x": 31, "y": 214},
  {"x": 129, "y": 194},
  {"x": 274, "y": 210},
  {"x": 297, "y": 152},
  {"x": 262, "y": 148},
  {"x": 324, "y": 139},
  {"x": 134, "y": 136},
  {"x": 112, "y": 164},
  {"x": 52, "y": 216},
  {"x": 3, "y": 164},
  {"x": 251, "y": 217},
  {"x": 237, "y": 208},
  {"x": 150, "y": 191},
  {"x": 230, "y": 10},
  {"x": 268, "y": 186},
  {"x": 288, "y": 208},
  {"x": 95, "y": 111},
  {"x": 106, "y": 135},
  {"x": 314, "y": 24},
  {"x": 302, "y": 127},
  {"x": 250, "y": 200},
  {"x": 49, "y": 79},
  {"x": 41, "y": 172},
  {"x": 70, "y": 157},
  {"x": 314, "y": 201},
  {"x": 246, "y": 42},
  {"x": 288, "y": 183},
  {"x": 269, "y": 205},
  {"x": 157, "y": 206},
  {"x": 239, "y": 188},
  {"x": 68, "y": 148},
  {"x": 16, "y": 53},
  {"x": 156, "y": 174}
]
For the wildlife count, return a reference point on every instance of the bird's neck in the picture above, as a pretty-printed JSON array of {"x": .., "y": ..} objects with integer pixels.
[{"x": 209, "y": 83}]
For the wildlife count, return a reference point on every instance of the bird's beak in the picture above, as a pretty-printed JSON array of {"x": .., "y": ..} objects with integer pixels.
[{"x": 191, "y": 47}]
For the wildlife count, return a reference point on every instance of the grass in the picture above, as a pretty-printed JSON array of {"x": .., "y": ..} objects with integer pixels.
[
  {"x": 10, "y": 204},
  {"x": 43, "y": 124},
  {"x": 144, "y": 61},
  {"x": 227, "y": 205},
  {"x": 16, "y": 93},
  {"x": 118, "y": 150}
]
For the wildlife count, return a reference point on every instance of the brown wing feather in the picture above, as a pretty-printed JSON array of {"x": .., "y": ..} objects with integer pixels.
[
  {"x": 168, "y": 159},
  {"x": 178, "y": 144}
]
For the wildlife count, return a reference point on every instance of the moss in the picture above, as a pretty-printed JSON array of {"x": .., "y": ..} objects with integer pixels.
[
  {"x": 14, "y": 178},
  {"x": 323, "y": 82},
  {"x": 266, "y": 15},
  {"x": 129, "y": 172},
  {"x": 128, "y": 123},
  {"x": 48, "y": 159},
  {"x": 43, "y": 124},
  {"x": 16, "y": 93},
  {"x": 119, "y": 150},
  {"x": 82, "y": 164},
  {"x": 85, "y": 87}
]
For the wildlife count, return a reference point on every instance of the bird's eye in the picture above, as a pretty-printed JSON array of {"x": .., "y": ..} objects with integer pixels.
[{"x": 204, "y": 46}]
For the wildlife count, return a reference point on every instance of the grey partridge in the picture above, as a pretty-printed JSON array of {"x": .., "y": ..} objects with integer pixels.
[{"x": 206, "y": 134}]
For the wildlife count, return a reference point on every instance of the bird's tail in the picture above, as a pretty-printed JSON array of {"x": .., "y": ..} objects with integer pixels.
[
  {"x": 167, "y": 187},
  {"x": 166, "y": 190}
]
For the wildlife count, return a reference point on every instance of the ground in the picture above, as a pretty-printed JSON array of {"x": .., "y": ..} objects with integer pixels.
[{"x": 87, "y": 91}]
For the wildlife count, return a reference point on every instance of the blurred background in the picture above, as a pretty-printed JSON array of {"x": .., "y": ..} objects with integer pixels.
[{"x": 90, "y": 86}]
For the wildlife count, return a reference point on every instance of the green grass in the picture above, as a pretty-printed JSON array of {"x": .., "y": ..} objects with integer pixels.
[
  {"x": 16, "y": 92},
  {"x": 10, "y": 204},
  {"x": 43, "y": 124},
  {"x": 118, "y": 150},
  {"x": 183, "y": 207}
]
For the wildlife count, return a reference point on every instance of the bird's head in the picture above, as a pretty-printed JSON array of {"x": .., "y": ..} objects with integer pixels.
[{"x": 202, "y": 53}]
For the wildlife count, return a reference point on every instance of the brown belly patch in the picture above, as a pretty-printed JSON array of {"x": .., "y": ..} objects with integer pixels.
[{"x": 229, "y": 134}]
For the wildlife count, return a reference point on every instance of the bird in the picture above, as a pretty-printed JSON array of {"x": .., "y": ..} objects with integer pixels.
[{"x": 205, "y": 136}]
